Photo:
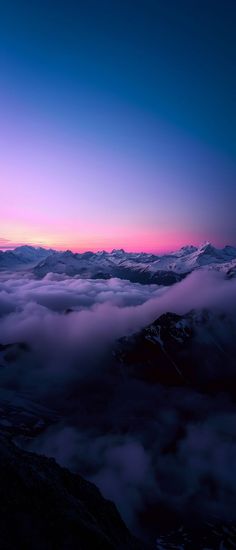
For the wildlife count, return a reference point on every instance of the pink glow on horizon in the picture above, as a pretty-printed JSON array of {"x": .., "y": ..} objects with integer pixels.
[
  {"x": 151, "y": 190},
  {"x": 78, "y": 194},
  {"x": 145, "y": 242}
]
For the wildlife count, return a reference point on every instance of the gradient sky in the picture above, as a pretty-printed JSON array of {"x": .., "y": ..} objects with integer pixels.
[{"x": 117, "y": 123}]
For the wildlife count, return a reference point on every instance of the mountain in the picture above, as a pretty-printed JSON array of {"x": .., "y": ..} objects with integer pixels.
[
  {"x": 9, "y": 260},
  {"x": 44, "y": 506},
  {"x": 196, "y": 349},
  {"x": 31, "y": 253},
  {"x": 228, "y": 268},
  {"x": 136, "y": 267},
  {"x": 189, "y": 258},
  {"x": 23, "y": 257},
  {"x": 85, "y": 265},
  {"x": 50, "y": 507},
  {"x": 105, "y": 266}
]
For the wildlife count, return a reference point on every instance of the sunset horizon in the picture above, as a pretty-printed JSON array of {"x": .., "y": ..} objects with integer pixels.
[
  {"x": 117, "y": 274},
  {"x": 117, "y": 140},
  {"x": 7, "y": 244}
]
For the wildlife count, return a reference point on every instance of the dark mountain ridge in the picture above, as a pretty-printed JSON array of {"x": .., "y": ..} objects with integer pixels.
[{"x": 46, "y": 507}]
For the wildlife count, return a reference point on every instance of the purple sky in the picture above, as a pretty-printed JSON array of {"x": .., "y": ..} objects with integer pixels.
[{"x": 105, "y": 141}]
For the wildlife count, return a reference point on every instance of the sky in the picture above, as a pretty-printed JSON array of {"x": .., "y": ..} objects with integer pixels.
[{"x": 117, "y": 123}]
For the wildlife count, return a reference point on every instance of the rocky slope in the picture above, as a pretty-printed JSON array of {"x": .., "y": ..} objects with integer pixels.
[
  {"x": 45, "y": 507},
  {"x": 196, "y": 349}
]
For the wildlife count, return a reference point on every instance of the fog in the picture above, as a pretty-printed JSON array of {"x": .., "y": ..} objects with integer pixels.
[{"x": 144, "y": 446}]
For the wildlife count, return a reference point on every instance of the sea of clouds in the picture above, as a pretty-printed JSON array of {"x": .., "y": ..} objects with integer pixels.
[{"x": 169, "y": 450}]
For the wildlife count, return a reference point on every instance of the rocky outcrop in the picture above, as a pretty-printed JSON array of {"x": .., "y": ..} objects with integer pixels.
[
  {"x": 46, "y": 507},
  {"x": 195, "y": 350}
]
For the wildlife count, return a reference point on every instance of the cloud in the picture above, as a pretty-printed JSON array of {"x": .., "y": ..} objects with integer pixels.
[
  {"x": 178, "y": 454},
  {"x": 71, "y": 324},
  {"x": 144, "y": 446}
]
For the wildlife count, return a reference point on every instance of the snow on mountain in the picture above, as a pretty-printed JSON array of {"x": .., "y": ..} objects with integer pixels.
[
  {"x": 228, "y": 268},
  {"x": 182, "y": 261},
  {"x": 31, "y": 253},
  {"x": 87, "y": 265},
  {"x": 130, "y": 266},
  {"x": 190, "y": 258},
  {"x": 137, "y": 267},
  {"x": 140, "y": 267},
  {"x": 185, "y": 250},
  {"x": 22, "y": 256},
  {"x": 9, "y": 260},
  {"x": 183, "y": 350}
]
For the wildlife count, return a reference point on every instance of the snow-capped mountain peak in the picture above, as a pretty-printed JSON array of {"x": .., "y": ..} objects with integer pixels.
[{"x": 140, "y": 267}]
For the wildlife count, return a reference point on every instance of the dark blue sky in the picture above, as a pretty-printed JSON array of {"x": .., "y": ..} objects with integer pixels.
[{"x": 145, "y": 92}]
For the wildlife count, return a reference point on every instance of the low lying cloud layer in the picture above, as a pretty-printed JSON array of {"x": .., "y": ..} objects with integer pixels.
[
  {"x": 144, "y": 446},
  {"x": 60, "y": 313}
]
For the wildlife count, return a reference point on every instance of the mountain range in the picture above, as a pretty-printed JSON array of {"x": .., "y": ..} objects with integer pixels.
[{"x": 136, "y": 267}]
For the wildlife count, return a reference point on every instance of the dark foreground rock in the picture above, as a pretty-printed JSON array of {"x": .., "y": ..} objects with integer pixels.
[
  {"x": 46, "y": 507},
  {"x": 195, "y": 350}
]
